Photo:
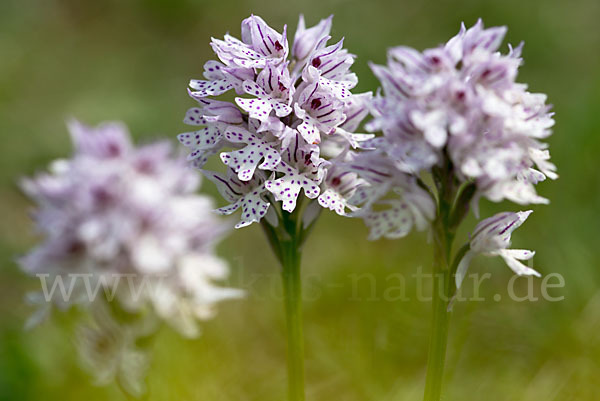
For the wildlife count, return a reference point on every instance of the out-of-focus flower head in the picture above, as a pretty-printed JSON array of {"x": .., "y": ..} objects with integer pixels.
[
  {"x": 458, "y": 105},
  {"x": 294, "y": 114},
  {"x": 460, "y": 100},
  {"x": 127, "y": 219}
]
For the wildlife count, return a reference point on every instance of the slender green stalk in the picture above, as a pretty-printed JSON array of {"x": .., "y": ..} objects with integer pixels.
[
  {"x": 449, "y": 216},
  {"x": 292, "y": 290},
  {"x": 286, "y": 239},
  {"x": 439, "y": 325}
]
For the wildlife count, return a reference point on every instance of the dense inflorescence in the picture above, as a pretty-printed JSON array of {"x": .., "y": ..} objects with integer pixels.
[
  {"x": 293, "y": 120},
  {"x": 126, "y": 217},
  {"x": 456, "y": 109}
]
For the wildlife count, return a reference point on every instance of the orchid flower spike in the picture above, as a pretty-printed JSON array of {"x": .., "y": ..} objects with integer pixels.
[
  {"x": 457, "y": 107},
  {"x": 128, "y": 220},
  {"x": 116, "y": 209},
  {"x": 452, "y": 126},
  {"x": 292, "y": 119},
  {"x": 491, "y": 237}
]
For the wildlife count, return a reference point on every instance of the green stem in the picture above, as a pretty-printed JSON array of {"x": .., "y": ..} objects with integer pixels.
[
  {"x": 286, "y": 239},
  {"x": 439, "y": 326},
  {"x": 292, "y": 290},
  {"x": 443, "y": 234}
]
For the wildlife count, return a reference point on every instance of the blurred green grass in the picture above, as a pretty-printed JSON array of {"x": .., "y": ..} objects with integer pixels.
[{"x": 132, "y": 60}]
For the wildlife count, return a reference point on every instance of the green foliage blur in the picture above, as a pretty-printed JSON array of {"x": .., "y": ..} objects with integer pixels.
[{"x": 131, "y": 60}]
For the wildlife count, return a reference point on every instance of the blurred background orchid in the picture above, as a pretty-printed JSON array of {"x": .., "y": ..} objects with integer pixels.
[
  {"x": 126, "y": 240},
  {"x": 456, "y": 127}
]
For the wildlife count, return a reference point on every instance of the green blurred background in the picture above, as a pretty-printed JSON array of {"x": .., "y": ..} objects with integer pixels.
[{"x": 131, "y": 61}]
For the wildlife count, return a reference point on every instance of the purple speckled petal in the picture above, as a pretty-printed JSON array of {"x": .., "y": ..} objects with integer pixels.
[
  {"x": 245, "y": 161},
  {"x": 287, "y": 188}
]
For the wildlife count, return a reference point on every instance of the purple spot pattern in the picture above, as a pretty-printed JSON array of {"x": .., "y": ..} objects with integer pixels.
[
  {"x": 394, "y": 222},
  {"x": 284, "y": 109},
  {"x": 287, "y": 188},
  {"x": 245, "y": 161}
]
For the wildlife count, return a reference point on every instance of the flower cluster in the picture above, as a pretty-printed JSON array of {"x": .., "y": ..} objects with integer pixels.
[
  {"x": 293, "y": 117},
  {"x": 458, "y": 105},
  {"x": 127, "y": 219}
]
